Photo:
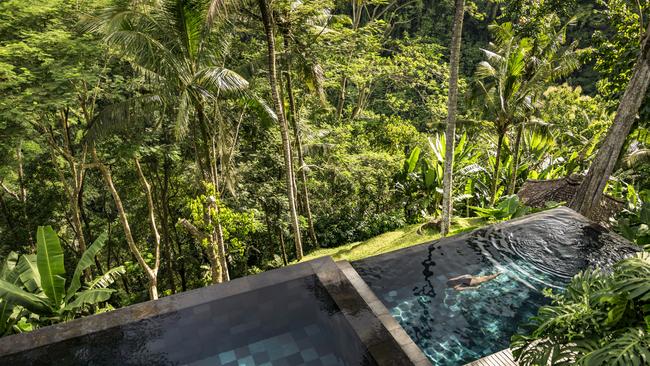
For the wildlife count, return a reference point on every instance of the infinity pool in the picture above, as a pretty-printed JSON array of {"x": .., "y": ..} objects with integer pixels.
[{"x": 455, "y": 327}]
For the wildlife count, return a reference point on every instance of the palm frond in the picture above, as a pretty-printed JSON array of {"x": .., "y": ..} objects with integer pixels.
[
  {"x": 107, "y": 278},
  {"x": 218, "y": 9},
  {"x": 220, "y": 81},
  {"x": 637, "y": 158},
  {"x": 122, "y": 115}
]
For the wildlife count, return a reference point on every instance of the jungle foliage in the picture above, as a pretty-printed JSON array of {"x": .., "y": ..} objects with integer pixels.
[{"x": 197, "y": 141}]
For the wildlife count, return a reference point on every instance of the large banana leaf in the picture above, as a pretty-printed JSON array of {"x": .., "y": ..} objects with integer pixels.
[
  {"x": 49, "y": 260},
  {"x": 28, "y": 272},
  {"x": 89, "y": 297},
  {"x": 15, "y": 295},
  {"x": 87, "y": 260},
  {"x": 5, "y": 311},
  {"x": 9, "y": 274}
]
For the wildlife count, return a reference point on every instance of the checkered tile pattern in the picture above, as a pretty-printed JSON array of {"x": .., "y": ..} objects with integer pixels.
[{"x": 294, "y": 323}]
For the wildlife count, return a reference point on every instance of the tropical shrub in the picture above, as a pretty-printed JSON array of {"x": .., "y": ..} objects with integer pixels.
[
  {"x": 32, "y": 286},
  {"x": 419, "y": 183},
  {"x": 600, "y": 319},
  {"x": 508, "y": 208},
  {"x": 633, "y": 221},
  {"x": 237, "y": 227}
]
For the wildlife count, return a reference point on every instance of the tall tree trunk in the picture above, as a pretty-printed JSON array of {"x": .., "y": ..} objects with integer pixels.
[
  {"x": 589, "y": 194},
  {"x": 221, "y": 244},
  {"x": 301, "y": 159},
  {"x": 284, "y": 129},
  {"x": 163, "y": 212},
  {"x": 497, "y": 166},
  {"x": 452, "y": 105},
  {"x": 216, "y": 240},
  {"x": 151, "y": 274},
  {"x": 515, "y": 166}
]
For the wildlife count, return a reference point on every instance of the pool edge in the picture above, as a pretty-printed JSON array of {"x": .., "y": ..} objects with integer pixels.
[{"x": 412, "y": 351}]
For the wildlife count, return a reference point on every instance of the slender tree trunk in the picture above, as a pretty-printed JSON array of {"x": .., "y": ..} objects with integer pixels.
[
  {"x": 341, "y": 101},
  {"x": 283, "y": 248},
  {"x": 497, "y": 166},
  {"x": 284, "y": 129},
  {"x": 216, "y": 242},
  {"x": 149, "y": 272},
  {"x": 152, "y": 221},
  {"x": 591, "y": 190},
  {"x": 301, "y": 159},
  {"x": 452, "y": 105},
  {"x": 221, "y": 244},
  {"x": 358, "y": 107},
  {"x": 23, "y": 194},
  {"x": 515, "y": 166}
]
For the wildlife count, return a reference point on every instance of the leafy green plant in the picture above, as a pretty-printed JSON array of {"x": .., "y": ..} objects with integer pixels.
[
  {"x": 420, "y": 181},
  {"x": 35, "y": 284},
  {"x": 634, "y": 221},
  {"x": 508, "y": 208},
  {"x": 600, "y": 319}
]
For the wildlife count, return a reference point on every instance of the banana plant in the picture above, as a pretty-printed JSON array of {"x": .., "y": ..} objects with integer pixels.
[
  {"x": 420, "y": 181},
  {"x": 509, "y": 208},
  {"x": 36, "y": 283}
]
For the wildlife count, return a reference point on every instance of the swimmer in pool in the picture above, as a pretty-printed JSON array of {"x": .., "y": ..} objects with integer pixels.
[{"x": 469, "y": 282}]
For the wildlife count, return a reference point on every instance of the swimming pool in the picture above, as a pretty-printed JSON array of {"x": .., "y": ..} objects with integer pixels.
[{"x": 453, "y": 327}]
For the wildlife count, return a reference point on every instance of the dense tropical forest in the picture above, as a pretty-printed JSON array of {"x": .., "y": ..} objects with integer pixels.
[{"x": 149, "y": 147}]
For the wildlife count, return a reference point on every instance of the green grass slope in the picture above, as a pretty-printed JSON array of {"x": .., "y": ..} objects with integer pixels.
[{"x": 393, "y": 240}]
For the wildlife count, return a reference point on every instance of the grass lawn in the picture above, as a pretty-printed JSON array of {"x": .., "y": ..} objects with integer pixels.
[{"x": 386, "y": 242}]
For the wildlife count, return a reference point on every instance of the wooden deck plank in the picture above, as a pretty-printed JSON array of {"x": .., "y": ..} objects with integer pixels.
[{"x": 502, "y": 358}]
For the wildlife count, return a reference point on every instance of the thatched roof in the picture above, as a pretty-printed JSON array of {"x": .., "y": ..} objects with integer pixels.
[{"x": 536, "y": 193}]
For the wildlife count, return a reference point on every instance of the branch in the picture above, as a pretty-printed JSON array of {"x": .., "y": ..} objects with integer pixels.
[
  {"x": 9, "y": 191},
  {"x": 192, "y": 229}
]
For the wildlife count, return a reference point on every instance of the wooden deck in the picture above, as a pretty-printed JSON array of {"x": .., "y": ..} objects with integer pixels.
[{"x": 503, "y": 358}]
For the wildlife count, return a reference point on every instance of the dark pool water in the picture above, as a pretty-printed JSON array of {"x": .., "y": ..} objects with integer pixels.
[
  {"x": 455, "y": 327},
  {"x": 295, "y": 323}
]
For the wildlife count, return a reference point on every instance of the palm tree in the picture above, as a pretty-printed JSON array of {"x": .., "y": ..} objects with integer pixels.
[
  {"x": 284, "y": 127},
  {"x": 173, "y": 45},
  {"x": 452, "y": 101},
  {"x": 515, "y": 73}
]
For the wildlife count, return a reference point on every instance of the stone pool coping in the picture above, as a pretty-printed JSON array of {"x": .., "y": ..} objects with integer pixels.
[
  {"x": 414, "y": 353},
  {"x": 383, "y": 340}
]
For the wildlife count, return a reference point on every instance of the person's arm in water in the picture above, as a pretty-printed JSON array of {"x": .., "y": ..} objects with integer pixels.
[
  {"x": 480, "y": 279},
  {"x": 463, "y": 288},
  {"x": 463, "y": 277}
]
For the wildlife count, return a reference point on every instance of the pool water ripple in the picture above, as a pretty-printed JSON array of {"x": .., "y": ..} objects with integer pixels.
[{"x": 455, "y": 327}]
